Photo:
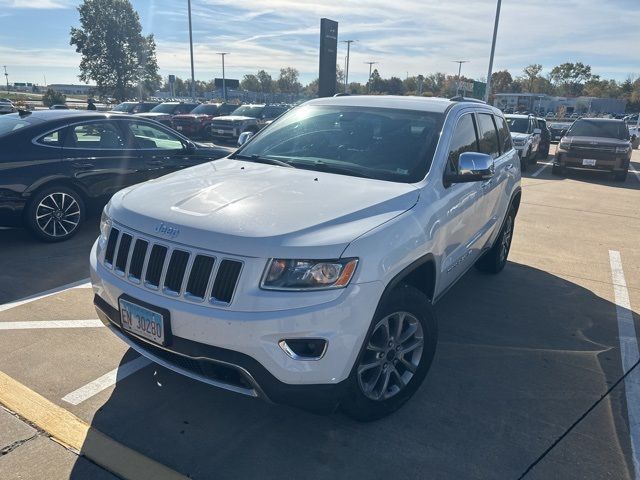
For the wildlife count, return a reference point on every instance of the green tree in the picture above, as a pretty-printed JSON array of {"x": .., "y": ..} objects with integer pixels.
[
  {"x": 52, "y": 97},
  {"x": 376, "y": 84},
  {"x": 570, "y": 77},
  {"x": 250, "y": 83},
  {"x": 115, "y": 54},
  {"x": 394, "y": 86},
  {"x": 311, "y": 90},
  {"x": 288, "y": 80},
  {"x": 501, "y": 82},
  {"x": 266, "y": 82},
  {"x": 531, "y": 73}
]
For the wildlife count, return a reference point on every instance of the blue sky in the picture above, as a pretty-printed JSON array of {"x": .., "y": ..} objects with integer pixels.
[{"x": 404, "y": 36}]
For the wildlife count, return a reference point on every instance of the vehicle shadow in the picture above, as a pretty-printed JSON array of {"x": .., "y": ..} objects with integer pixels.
[
  {"x": 30, "y": 266},
  {"x": 521, "y": 357}
]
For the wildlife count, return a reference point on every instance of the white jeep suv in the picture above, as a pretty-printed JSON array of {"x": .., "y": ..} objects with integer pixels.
[
  {"x": 304, "y": 267},
  {"x": 526, "y": 137}
]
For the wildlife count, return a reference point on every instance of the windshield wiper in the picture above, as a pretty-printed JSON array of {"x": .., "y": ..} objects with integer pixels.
[
  {"x": 321, "y": 166},
  {"x": 259, "y": 159}
]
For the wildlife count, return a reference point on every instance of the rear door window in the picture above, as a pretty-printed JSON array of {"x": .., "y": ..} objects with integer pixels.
[
  {"x": 488, "y": 135},
  {"x": 94, "y": 135}
]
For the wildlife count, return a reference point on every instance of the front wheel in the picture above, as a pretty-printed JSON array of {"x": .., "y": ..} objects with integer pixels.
[
  {"x": 496, "y": 258},
  {"x": 396, "y": 355},
  {"x": 55, "y": 214}
]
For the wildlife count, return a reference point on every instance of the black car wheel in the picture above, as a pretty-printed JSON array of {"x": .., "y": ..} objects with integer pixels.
[
  {"x": 524, "y": 161},
  {"x": 396, "y": 356},
  {"x": 496, "y": 258},
  {"x": 558, "y": 170},
  {"x": 55, "y": 214}
]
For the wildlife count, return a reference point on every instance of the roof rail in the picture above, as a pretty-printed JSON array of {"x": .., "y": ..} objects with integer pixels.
[
  {"x": 342, "y": 95},
  {"x": 460, "y": 98}
]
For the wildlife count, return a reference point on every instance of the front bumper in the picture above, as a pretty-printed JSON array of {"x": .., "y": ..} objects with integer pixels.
[
  {"x": 610, "y": 162},
  {"x": 246, "y": 343}
]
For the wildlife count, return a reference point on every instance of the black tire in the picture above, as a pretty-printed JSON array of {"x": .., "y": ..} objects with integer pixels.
[
  {"x": 620, "y": 176},
  {"x": 417, "y": 310},
  {"x": 558, "y": 170},
  {"x": 55, "y": 214},
  {"x": 495, "y": 259}
]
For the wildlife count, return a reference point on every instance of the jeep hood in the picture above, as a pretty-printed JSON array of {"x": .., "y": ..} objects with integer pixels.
[{"x": 257, "y": 210}]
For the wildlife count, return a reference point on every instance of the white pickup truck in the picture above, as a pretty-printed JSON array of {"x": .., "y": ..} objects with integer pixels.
[{"x": 304, "y": 267}]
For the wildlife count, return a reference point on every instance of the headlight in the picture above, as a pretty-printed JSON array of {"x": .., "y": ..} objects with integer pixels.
[
  {"x": 282, "y": 274},
  {"x": 564, "y": 144},
  {"x": 105, "y": 226},
  {"x": 623, "y": 149}
]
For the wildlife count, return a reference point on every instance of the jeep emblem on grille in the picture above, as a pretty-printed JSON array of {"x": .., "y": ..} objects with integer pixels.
[{"x": 167, "y": 230}]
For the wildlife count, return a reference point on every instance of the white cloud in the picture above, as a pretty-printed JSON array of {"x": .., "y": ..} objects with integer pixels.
[{"x": 36, "y": 4}]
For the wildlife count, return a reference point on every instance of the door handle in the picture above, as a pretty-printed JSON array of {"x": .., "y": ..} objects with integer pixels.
[
  {"x": 82, "y": 165},
  {"x": 509, "y": 166}
]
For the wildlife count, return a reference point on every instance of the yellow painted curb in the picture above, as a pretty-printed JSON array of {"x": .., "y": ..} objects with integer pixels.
[{"x": 70, "y": 430}]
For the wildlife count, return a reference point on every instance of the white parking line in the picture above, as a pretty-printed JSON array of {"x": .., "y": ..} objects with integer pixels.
[
  {"x": 634, "y": 171},
  {"x": 107, "y": 380},
  {"x": 541, "y": 169},
  {"x": 51, "y": 324},
  {"x": 84, "y": 283},
  {"x": 628, "y": 352}
]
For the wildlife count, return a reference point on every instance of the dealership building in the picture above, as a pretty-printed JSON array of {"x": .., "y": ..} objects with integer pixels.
[{"x": 543, "y": 103}]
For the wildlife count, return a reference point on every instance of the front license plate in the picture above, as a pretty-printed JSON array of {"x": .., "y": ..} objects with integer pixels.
[
  {"x": 142, "y": 321},
  {"x": 588, "y": 162}
]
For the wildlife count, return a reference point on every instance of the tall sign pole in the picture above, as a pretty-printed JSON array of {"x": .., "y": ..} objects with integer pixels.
[
  {"x": 487, "y": 91},
  {"x": 328, "y": 56},
  {"x": 193, "y": 77}
]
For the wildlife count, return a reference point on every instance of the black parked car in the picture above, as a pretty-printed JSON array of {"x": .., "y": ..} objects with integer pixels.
[
  {"x": 545, "y": 139},
  {"x": 56, "y": 165},
  {"x": 134, "y": 107},
  {"x": 558, "y": 129}
]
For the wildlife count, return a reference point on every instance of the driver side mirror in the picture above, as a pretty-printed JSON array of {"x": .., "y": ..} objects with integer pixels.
[
  {"x": 537, "y": 131},
  {"x": 472, "y": 167},
  {"x": 244, "y": 138}
]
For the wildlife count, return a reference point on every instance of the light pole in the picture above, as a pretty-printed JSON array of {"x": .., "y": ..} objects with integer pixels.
[
  {"x": 487, "y": 91},
  {"x": 346, "y": 73},
  {"x": 369, "y": 81},
  {"x": 459, "y": 62},
  {"x": 224, "y": 85},
  {"x": 6, "y": 76},
  {"x": 193, "y": 77}
]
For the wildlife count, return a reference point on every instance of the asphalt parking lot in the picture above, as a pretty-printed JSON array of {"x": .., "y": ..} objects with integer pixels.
[{"x": 535, "y": 375}]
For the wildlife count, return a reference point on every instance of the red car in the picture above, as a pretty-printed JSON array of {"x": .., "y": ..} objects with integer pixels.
[{"x": 196, "y": 123}]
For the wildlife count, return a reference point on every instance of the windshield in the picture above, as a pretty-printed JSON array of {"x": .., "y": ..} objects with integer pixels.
[
  {"x": 10, "y": 123},
  {"x": 124, "y": 107},
  {"x": 386, "y": 144},
  {"x": 164, "y": 108},
  {"x": 249, "y": 111},
  {"x": 518, "y": 124},
  {"x": 205, "y": 109},
  {"x": 594, "y": 128}
]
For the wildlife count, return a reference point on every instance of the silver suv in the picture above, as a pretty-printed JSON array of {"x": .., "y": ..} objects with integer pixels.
[
  {"x": 304, "y": 267},
  {"x": 526, "y": 137}
]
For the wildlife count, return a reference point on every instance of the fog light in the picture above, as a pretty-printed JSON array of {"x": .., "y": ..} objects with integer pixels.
[{"x": 304, "y": 348}]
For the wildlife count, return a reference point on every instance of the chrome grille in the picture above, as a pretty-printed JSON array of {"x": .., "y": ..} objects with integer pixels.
[
  {"x": 594, "y": 148},
  {"x": 173, "y": 271}
]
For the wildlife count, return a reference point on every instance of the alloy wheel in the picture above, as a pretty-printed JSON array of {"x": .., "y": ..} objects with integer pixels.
[
  {"x": 391, "y": 357},
  {"x": 58, "y": 214}
]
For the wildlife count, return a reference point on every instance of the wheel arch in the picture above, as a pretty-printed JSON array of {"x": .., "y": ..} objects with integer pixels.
[{"x": 48, "y": 182}]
